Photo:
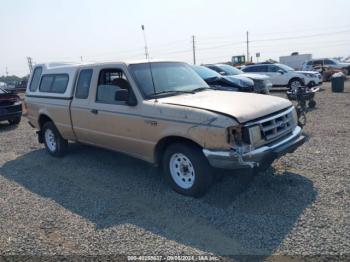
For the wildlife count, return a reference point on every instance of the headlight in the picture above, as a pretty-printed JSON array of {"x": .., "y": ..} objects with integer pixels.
[
  {"x": 255, "y": 135},
  {"x": 234, "y": 135}
]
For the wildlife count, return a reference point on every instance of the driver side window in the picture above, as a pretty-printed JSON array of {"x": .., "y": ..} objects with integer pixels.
[{"x": 111, "y": 81}]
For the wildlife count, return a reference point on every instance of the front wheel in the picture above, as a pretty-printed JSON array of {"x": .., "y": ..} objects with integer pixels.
[
  {"x": 294, "y": 84},
  {"x": 187, "y": 170},
  {"x": 55, "y": 144}
]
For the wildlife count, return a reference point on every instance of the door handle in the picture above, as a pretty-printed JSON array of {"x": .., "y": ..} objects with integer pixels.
[{"x": 94, "y": 111}]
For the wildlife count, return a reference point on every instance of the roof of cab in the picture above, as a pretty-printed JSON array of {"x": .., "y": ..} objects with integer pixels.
[{"x": 71, "y": 65}]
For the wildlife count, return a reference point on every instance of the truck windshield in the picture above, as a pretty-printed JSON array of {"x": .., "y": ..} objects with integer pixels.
[{"x": 170, "y": 78}]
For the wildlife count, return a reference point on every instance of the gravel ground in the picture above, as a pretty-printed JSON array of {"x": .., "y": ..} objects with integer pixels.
[{"x": 97, "y": 202}]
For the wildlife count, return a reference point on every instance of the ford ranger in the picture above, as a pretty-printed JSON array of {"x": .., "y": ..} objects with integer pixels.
[{"x": 161, "y": 112}]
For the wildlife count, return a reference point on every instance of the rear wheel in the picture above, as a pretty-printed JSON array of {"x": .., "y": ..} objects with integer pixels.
[
  {"x": 55, "y": 144},
  {"x": 187, "y": 170},
  {"x": 15, "y": 121}
]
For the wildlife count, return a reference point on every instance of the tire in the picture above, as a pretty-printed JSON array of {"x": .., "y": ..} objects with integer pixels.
[
  {"x": 294, "y": 83},
  {"x": 187, "y": 170},
  {"x": 15, "y": 121},
  {"x": 55, "y": 144}
]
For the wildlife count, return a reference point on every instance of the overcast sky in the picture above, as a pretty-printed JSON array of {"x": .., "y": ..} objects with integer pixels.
[{"x": 99, "y": 30}]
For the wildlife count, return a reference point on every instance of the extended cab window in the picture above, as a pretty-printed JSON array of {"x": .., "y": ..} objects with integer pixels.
[
  {"x": 35, "y": 79},
  {"x": 55, "y": 83},
  {"x": 83, "y": 85},
  {"x": 109, "y": 82}
]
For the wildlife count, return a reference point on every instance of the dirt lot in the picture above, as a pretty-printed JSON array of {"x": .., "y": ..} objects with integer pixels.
[{"x": 98, "y": 202}]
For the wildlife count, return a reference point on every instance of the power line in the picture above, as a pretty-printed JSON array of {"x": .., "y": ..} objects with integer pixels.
[{"x": 300, "y": 37}]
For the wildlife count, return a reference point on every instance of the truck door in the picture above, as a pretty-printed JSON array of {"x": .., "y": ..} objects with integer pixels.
[
  {"x": 80, "y": 106},
  {"x": 111, "y": 122}
]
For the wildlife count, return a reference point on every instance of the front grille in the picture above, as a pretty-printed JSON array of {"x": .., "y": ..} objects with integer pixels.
[
  {"x": 275, "y": 127},
  {"x": 271, "y": 128}
]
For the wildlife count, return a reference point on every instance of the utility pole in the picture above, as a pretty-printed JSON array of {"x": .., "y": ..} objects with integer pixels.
[
  {"x": 194, "y": 49},
  {"x": 248, "y": 56},
  {"x": 7, "y": 73},
  {"x": 30, "y": 64}
]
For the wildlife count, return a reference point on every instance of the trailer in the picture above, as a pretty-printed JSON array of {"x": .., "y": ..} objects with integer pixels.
[{"x": 295, "y": 60}]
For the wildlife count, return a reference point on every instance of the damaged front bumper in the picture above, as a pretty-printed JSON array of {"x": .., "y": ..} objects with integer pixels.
[{"x": 231, "y": 159}]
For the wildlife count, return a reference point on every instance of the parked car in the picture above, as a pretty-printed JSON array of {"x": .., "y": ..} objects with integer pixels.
[
  {"x": 163, "y": 113},
  {"x": 261, "y": 82},
  {"x": 310, "y": 65},
  {"x": 285, "y": 76},
  {"x": 229, "y": 83},
  {"x": 10, "y": 107}
]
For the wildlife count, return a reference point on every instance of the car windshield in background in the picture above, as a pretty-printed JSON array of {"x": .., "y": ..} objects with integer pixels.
[
  {"x": 285, "y": 67},
  {"x": 205, "y": 72},
  {"x": 230, "y": 70},
  {"x": 170, "y": 78}
]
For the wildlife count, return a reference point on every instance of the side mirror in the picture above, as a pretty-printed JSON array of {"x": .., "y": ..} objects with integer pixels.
[
  {"x": 281, "y": 72},
  {"x": 222, "y": 73},
  {"x": 124, "y": 95}
]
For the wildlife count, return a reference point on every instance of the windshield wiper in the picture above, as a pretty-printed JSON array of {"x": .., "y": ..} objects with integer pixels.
[{"x": 171, "y": 92}]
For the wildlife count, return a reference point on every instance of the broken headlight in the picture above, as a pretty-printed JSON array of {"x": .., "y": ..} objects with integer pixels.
[{"x": 234, "y": 135}]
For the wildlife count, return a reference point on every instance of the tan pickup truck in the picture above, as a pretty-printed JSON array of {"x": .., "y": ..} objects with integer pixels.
[{"x": 163, "y": 113}]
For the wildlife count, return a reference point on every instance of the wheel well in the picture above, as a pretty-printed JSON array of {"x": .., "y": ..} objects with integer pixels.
[
  {"x": 165, "y": 142},
  {"x": 44, "y": 119}
]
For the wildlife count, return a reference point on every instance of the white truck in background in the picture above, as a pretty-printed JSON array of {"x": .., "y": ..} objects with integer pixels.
[{"x": 295, "y": 60}]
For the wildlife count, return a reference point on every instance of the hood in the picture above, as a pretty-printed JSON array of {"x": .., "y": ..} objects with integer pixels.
[
  {"x": 256, "y": 76},
  {"x": 241, "y": 106},
  {"x": 344, "y": 64}
]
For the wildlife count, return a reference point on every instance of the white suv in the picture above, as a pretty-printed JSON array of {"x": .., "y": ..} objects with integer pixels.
[{"x": 280, "y": 75}]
